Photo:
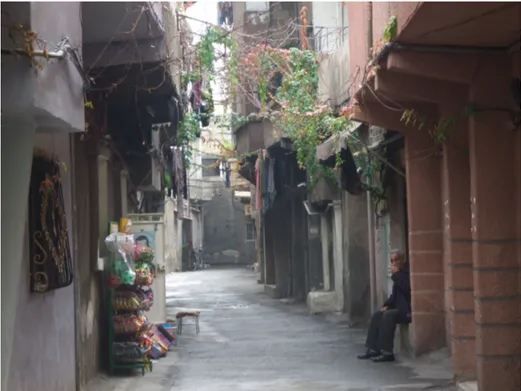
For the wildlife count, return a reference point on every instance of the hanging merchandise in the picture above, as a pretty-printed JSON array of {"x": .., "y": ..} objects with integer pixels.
[
  {"x": 130, "y": 271},
  {"x": 144, "y": 274},
  {"x": 125, "y": 225},
  {"x": 133, "y": 299},
  {"x": 120, "y": 267},
  {"x": 129, "y": 323},
  {"x": 143, "y": 254}
]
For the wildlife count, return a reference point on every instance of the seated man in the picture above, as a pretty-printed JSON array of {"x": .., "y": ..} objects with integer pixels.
[{"x": 396, "y": 310}]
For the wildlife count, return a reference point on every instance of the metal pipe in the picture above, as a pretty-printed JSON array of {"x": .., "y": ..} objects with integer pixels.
[
  {"x": 369, "y": 29},
  {"x": 59, "y": 54},
  {"x": 448, "y": 49},
  {"x": 372, "y": 257}
]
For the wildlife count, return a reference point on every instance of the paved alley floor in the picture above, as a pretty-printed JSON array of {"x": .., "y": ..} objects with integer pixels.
[{"x": 250, "y": 342}]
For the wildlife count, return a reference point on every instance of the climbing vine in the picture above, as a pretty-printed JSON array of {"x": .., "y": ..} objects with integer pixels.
[
  {"x": 438, "y": 130},
  {"x": 282, "y": 81},
  {"x": 189, "y": 131}
]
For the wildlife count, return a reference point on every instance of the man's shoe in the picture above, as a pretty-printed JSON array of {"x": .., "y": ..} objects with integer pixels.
[
  {"x": 369, "y": 354},
  {"x": 384, "y": 358}
]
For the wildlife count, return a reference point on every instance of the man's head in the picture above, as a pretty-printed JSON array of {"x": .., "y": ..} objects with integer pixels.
[{"x": 397, "y": 259}]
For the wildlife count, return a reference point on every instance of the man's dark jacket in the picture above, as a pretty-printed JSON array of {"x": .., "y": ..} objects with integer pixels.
[{"x": 400, "y": 298}]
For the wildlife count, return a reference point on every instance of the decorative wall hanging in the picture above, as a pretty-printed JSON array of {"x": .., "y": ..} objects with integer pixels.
[{"x": 50, "y": 256}]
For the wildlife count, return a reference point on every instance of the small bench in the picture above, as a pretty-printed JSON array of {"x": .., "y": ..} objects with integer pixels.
[
  {"x": 402, "y": 332},
  {"x": 190, "y": 314}
]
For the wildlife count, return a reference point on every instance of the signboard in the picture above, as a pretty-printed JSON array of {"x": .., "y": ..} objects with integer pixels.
[{"x": 247, "y": 210}]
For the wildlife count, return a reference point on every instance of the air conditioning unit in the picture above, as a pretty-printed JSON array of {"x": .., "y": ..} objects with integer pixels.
[
  {"x": 155, "y": 167},
  {"x": 147, "y": 170}
]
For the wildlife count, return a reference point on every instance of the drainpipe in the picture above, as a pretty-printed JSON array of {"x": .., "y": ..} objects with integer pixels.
[
  {"x": 369, "y": 28},
  {"x": 370, "y": 215},
  {"x": 372, "y": 258}
]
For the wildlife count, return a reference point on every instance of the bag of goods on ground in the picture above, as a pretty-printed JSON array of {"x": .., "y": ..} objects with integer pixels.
[
  {"x": 160, "y": 344},
  {"x": 170, "y": 327}
]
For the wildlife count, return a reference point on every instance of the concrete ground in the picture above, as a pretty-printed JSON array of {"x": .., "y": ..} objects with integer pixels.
[{"x": 250, "y": 342}]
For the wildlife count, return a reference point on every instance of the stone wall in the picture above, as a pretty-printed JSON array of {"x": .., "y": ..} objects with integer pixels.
[{"x": 224, "y": 238}]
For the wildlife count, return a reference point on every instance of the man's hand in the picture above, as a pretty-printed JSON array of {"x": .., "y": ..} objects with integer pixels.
[{"x": 384, "y": 308}]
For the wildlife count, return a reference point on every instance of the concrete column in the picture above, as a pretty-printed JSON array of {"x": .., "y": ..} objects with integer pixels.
[
  {"x": 269, "y": 256},
  {"x": 495, "y": 150},
  {"x": 425, "y": 242},
  {"x": 103, "y": 203},
  {"x": 324, "y": 236},
  {"x": 17, "y": 157},
  {"x": 458, "y": 247},
  {"x": 338, "y": 255},
  {"x": 124, "y": 192}
]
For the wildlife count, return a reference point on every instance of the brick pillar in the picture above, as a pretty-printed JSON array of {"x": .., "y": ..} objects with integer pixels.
[
  {"x": 458, "y": 247},
  {"x": 495, "y": 198},
  {"x": 425, "y": 242}
]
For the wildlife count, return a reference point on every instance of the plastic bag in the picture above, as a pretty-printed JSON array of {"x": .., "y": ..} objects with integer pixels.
[
  {"x": 121, "y": 265},
  {"x": 118, "y": 242},
  {"x": 129, "y": 323}
]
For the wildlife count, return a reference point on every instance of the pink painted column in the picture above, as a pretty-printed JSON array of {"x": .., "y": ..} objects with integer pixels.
[
  {"x": 424, "y": 207},
  {"x": 459, "y": 285},
  {"x": 495, "y": 225}
]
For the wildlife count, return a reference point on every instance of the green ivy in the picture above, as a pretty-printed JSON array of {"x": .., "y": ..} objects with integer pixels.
[
  {"x": 290, "y": 77},
  {"x": 206, "y": 53},
  {"x": 189, "y": 131},
  {"x": 391, "y": 29}
]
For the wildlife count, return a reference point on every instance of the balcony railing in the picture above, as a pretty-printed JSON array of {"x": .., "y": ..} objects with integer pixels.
[{"x": 327, "y": 40}]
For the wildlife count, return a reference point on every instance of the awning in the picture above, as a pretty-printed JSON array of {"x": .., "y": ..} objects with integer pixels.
[
  {"x": 347, "y": 174},
  {"x": 334, "y": 144}
]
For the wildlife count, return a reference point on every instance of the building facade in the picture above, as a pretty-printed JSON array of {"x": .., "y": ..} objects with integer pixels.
[
  {"x": 459, "y": 74},
  {"x": 42, "y": 105},
  {"x": 67, "y": 99}
]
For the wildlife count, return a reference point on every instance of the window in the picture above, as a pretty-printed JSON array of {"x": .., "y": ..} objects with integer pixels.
[
  {"x": 250, "y": 232},
  {"x": 257, "y": 6},
  {"x": 211, "y": 167}
]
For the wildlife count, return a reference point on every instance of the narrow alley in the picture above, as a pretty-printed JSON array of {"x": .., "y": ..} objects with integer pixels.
[
  {"x": 250, "y": 342},
  {"x": 241, "y": 195}
]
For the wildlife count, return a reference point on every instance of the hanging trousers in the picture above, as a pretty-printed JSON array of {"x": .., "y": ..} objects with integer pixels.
[{"x": 380, "y": 336}]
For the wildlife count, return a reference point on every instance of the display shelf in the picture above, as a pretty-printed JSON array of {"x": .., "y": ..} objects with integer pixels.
[{"x": 113, "y": 336}]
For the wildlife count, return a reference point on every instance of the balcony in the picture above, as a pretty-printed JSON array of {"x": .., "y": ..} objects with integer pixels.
[{"x": 117, "y": 33}]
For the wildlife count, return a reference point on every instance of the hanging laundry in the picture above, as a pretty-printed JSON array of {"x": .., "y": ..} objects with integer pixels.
[
  {"x": 258, "y": 195},
  {"x": 225, "y": 15},
  {"x": 264, "y": 184}
]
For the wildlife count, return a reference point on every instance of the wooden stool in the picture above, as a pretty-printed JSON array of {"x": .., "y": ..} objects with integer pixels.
[{"x": 181, "y": 315}]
